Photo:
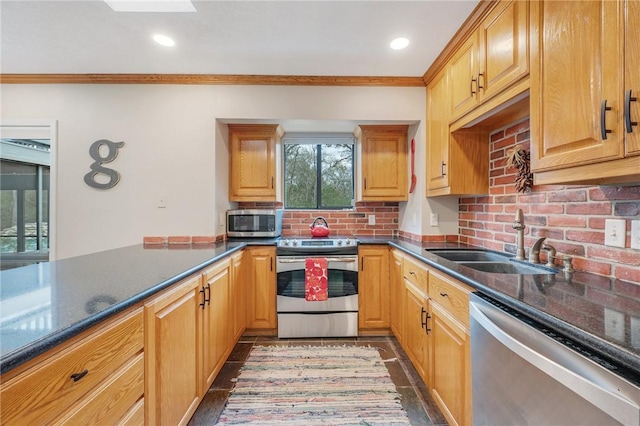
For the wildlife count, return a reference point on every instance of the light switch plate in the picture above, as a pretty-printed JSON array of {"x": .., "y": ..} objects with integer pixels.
[
  {"x": 372, "y": 219},
  {"x": 635, "y": 234},
  {"x": 162, "y": 201},
  {"x": 615, "y": 232},
  {"x": 433, "y": 220}
]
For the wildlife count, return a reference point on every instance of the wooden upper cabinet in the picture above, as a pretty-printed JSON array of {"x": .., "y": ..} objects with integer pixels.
[
  {"x": 503, "y": 47},
  {"x": 463, "y": 71},
  {"x": 492, "y": 58},
  {"x": 384, "y": 163},
  {"x": 252, "y": 170},
  {"x": 457, "y": 162},
  {"x": 438, "y": 101},
  {"x": 632, "y": 77},
  {"x": 578, "y": 89}
]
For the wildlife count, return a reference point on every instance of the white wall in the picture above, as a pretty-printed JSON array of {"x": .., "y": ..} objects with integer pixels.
[{"x": 175, "y": 144}]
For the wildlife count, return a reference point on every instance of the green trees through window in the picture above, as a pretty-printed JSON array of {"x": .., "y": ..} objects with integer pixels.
[{"x": 318, "y": 172}]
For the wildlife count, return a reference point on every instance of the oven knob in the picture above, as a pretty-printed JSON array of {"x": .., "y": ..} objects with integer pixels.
[
  {"x": 295, "y": 242},
  {"x": 348, "y": 241},
  {"x": 286, "y": 242},
  {"x": 339, "y": 242}
]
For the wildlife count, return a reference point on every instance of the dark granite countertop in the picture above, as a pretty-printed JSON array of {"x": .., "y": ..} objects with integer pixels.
[
  {"x": 44, "y": 304},
  {"x": 601, "y": 313}
]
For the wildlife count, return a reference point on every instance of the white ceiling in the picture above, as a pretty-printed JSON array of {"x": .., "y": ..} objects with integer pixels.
[{"x": 319, "y": 38}]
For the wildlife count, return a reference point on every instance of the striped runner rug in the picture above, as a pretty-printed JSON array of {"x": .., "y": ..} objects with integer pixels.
[{"x": 314, "y": 385}]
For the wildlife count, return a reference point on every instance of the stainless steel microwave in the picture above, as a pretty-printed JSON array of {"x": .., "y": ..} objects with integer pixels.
[{"x": 254, "y": 223}]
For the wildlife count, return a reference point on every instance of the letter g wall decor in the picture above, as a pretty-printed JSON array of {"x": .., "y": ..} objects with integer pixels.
[{"x": 97, "y": 168}]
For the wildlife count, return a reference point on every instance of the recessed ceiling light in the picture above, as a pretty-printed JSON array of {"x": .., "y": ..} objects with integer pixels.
[
  {"x": 164, "y": 40},
  {"x": 151, "y": 5},
  {"x": 399, "y": 43}
]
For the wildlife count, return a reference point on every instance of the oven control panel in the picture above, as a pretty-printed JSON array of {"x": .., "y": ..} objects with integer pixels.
[{"x": 310, "y": 243}]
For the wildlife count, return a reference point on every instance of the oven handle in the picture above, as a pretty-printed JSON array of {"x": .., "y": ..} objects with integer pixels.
[{"x": 329, "y": 259}]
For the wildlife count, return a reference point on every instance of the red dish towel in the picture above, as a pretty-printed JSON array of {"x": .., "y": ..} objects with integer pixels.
[{"x": 315, "y": 279}]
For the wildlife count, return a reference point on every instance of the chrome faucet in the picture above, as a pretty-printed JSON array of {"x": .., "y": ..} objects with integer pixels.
[
  {"x": 551, "y": 253},
  {"x": 534, "y": 253},
  {"x": 518, "y": 225}
]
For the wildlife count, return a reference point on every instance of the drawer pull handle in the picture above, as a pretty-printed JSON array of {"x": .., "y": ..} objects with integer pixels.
[
  {"x": 80, "y": 375},
  {"x": 412, "y": 273},
  {"x": 444, "y": 294},
  {"x": 473, "y": 80},
  {"x": 208, "y": 298}
]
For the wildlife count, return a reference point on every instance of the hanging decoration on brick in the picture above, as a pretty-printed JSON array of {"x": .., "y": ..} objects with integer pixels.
[{"x": 519, "y": 158}]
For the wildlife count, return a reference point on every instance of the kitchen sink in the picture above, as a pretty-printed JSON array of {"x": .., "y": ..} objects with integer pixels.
[
  {"x": 507, "y": 267},
  {"x": 490, "y": 261},
  {"x": 470, "y": 255}
]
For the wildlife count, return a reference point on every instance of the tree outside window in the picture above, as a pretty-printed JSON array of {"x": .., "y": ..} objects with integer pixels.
[{"x": 318, "y": 172}]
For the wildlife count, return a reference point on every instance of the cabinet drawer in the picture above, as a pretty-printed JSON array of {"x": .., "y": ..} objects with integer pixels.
[
  {"x": 452, "y": 296},
  {"x": 47, "y": 391},
  {"x": 416, "y": 273},
  {"x": 113, "y": 400}
]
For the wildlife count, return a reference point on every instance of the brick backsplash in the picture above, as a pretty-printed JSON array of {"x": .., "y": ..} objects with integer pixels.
[
  {"x": 571, "y": 217},
  {"x": 295, "y": 223}
]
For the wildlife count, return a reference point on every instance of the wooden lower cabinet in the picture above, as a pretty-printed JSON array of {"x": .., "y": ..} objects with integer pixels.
[
  {"x": 417, "y": 340},
  {"x": 237, "y": 295},
  {"x": 172, "y": 385},
  {"x": 261, "y": 289},
  {"x": 436, "y": 336},
  {"x": 396, "y": 295},
  {"x": 373, "y": 287},
  {"x": 217, "y": 328},
  {"x": 96, "y": 378},
  {"x": 451, "y": 366}
]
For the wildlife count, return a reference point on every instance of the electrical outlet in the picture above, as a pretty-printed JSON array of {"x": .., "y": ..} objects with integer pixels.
[
  {"x": 635, "y": 234},
  {"x": 433, "y": 219},
  {"x": 162, "y": 201},
  {"x": 372, "y": 219},
  {"x": 615, "y": 232}
]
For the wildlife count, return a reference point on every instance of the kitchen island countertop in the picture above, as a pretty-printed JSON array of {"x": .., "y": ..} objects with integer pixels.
[{"x": 42, "y": 305}]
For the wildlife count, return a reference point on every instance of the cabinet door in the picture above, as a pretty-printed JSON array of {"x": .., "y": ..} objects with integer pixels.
[
  {"x": 384, "y": 163},
  {"x": 416, "y": 342},
  {"x": 576, "y": 67},
  {"x": 438, "y": 104},
  {"x": 373, "y": 287},
  {"x": 237, "y": 296},
  {"x": 396, "y": 294},
  {"x": 463, "y": 72},
  {"x": 632, "y": 76},
  {"x": 253, "y": 162},
  {"x": 172, "y": 385},
  {"x": 451, "y": 366},
  {"x": 261, "y": 290},
  {"x": 216, "y": 323},
  {"x": 503, "y": 48}
]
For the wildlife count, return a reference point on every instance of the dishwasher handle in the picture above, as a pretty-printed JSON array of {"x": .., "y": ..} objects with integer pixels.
[{"x": 618, "y": 407}]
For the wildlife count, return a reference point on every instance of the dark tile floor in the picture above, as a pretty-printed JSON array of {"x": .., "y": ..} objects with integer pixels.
[{"x": 416, "y": 400}]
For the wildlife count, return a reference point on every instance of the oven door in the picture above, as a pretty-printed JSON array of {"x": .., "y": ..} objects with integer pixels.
[{"x": 342, "y": 274}]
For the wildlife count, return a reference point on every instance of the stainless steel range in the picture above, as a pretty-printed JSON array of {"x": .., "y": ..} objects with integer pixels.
[{"x": 335, "y": 317}]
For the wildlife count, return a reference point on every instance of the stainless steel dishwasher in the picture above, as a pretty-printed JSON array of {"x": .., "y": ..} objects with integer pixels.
[{"x": 523, "y": 376}]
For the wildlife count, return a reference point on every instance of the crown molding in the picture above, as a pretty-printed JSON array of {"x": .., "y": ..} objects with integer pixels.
[{"x": 212, "y": 79}]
